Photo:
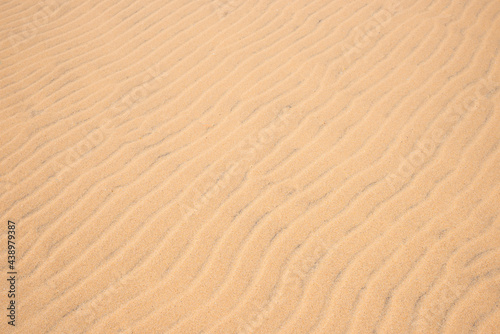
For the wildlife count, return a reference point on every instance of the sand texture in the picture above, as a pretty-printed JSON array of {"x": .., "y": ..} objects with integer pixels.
[{"x": 250, "y": 166}]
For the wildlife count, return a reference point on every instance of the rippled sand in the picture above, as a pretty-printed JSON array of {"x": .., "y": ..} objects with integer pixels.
[{"x": 259, "y": 166}]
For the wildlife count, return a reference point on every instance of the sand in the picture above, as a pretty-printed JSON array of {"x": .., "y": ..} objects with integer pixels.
[{"x": 260, "y": 166}]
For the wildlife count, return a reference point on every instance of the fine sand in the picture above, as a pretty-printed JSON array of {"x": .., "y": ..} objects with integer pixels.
[{"x": 250, "y": 166}]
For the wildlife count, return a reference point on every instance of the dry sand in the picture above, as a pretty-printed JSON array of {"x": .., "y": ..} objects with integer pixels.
[{"x": 260, "y": 166}]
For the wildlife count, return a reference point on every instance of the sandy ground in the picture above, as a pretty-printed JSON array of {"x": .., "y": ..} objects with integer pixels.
[{"x": 250, "y": 166}]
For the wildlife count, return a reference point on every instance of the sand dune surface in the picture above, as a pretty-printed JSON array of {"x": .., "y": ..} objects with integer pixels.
[{"x": 259, "y": 166}]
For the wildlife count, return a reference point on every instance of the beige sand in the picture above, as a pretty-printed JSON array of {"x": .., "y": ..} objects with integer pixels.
[{"x": 260, "y": 166}]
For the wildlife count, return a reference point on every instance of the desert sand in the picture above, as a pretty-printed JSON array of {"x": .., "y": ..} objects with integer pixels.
[{"x": 259, "y": 166}]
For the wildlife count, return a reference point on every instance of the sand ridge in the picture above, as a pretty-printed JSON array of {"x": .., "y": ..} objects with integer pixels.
[{"x": 211, "y": 166}]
